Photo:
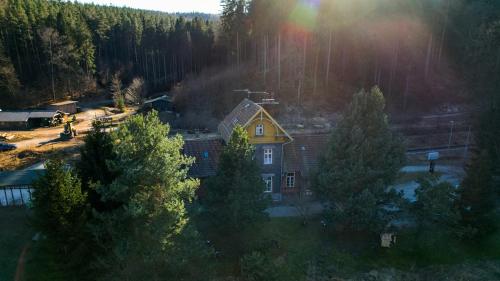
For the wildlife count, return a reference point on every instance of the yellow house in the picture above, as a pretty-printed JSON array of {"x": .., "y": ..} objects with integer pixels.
[{"x": 267, "y": 136}]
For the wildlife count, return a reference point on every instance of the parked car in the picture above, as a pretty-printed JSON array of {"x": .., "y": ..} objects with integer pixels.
[{"x": 7, "y": 146}]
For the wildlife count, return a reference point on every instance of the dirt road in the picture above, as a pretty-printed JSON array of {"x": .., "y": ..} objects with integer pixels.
[{"x": 41, "y": 136}]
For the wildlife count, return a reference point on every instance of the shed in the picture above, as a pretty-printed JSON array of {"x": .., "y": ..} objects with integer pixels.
[
  {"x": 41, "y": 118},
  {"x": 16, "y": 187},
  {"x": 14, "y": 120},
  {"x": 18, "y": 179},
  {"x": 162, "y": 103},
  {"x": 22, "y": 120},
  {"x": 64, "y": 106}
]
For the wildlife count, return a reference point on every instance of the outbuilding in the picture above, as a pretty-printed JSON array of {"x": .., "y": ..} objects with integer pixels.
[
  {"x": 16, "y": 187},
  {"x": 24, "y": 120},
  {"x": 68, "y": 107},
  {"x": 162, "y": 103},
  {"x": 14, "y": 120}
]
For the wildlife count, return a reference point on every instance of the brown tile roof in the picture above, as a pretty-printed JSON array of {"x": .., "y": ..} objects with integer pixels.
[
  {"x": 304, "y": 152},
  {"x": 240, "y": 115},
  {"x": 207, "y": 154}
]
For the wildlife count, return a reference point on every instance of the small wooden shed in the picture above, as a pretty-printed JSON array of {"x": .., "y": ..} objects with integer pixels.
[{"x": 65, "y": 106}]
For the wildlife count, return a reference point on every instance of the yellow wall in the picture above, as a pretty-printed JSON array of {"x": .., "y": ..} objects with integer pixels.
[{"x": 272, "y": 134}]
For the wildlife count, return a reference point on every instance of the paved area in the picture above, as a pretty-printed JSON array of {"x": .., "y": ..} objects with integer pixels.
[
  {"x": 313, "y": 208},
  {"x": 451, "y": 174}
]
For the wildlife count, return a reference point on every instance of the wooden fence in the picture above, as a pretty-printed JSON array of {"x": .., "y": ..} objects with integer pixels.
[{"x": 15, "y": 196}]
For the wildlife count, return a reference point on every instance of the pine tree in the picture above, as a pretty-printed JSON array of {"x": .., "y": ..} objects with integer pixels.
[
  {"x": 235, "y": 196},
  {"x": 60, "y": 206},
  {"x": 149, "y": 236},
  {"x": 363, "y": 158},
  {"x": 93, "y": 166},
  {"x": 9, "y": 83}
]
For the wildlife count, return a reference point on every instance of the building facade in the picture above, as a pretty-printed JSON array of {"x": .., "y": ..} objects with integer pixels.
[
  {"x": 287, "y": 163},
  {"x": 267, "y": 137}
]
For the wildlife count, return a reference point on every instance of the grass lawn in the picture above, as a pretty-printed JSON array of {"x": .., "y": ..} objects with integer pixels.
[
  {"x": 15, "y": 232},
  {"x": 298, "y": 250}
]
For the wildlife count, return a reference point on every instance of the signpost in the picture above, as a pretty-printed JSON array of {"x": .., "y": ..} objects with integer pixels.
[{"x": 432, "y": 157}]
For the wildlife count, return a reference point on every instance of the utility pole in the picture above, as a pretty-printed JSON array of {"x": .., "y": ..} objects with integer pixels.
[
  {"x": 279, "y": 61},
  {"x": 466, "y": 150},
  {"x": 452, "y": 123}
]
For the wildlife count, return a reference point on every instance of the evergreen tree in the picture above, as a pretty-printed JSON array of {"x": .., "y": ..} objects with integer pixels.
[
  {"x": 436, "y": 207},
  {"x": 93, "y": 166},
  {"x": 437, "y": 214},
  {"x": 235, "y": 197},
  {"x": 363, "y": 158},
  {"x": 479, "y": 191},
  {"x": 149, "y": 236},
  {"x": 60, "y": 206},
  {"x": 9, "y": 84},
  {"x": 258, "y": 267}
]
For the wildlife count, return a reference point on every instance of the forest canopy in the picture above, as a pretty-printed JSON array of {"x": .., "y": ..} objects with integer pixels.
[
  {"x": 419, "y": 53},
  {"x": 51, "y": 49}
]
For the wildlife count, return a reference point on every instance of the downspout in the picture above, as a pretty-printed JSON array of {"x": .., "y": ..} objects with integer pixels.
[{"x": 283, "y": 160}]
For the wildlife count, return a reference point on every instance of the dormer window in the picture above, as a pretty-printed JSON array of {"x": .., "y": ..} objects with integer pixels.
[{"x": 259, "y": 130}]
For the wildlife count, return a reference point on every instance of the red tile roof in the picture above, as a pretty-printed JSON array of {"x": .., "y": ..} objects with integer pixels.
[
  {"x": 304, "y": 153},
  {"x": 207, "y": 154}
]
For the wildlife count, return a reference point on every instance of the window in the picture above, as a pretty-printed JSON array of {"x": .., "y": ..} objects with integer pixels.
[
  {"x": 268, "y": 180},
  {"x": 268, "y": 156},
  {"x": 290, "y": 180},
  {"x": 259, "y": 130}
]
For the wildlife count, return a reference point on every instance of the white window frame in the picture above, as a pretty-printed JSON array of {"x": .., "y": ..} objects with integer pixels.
[
  {"x": 268, "y": 181},
  {"x": 268, "y": 156},
  {"x": 259, "y": 129},
  {"x": 290, "y": 180}
]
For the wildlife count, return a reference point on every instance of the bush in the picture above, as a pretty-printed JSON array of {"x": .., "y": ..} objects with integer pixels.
[{"x": 258, "y": 267}]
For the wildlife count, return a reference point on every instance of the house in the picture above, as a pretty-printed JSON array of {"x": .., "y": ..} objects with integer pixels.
[
  {"x": 23, "y": 120},
  {"x": 287, "y": 162},
  {"x": 301, "y": 161},
  {"x": 68, "y": 107},
  {"x": 268, "y": 138}
]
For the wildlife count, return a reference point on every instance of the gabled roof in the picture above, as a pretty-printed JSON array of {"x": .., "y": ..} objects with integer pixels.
[
  {"x": 160, "y": 98},
  {"x": 19, "y": 178},
  {"x": 43, "y": 114},
  {"x": 242, "y": 115},
  {"x": 304, "y": 153},
  {"x": 206, "y": 152},
  {"x": 21, "y": 116}
]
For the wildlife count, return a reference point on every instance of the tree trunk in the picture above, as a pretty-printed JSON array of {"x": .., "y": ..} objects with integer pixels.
[{"x": 328, "y": 59}]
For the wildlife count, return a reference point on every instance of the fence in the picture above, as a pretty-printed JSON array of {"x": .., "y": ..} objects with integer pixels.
[{"x": 15, "y": 196}]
